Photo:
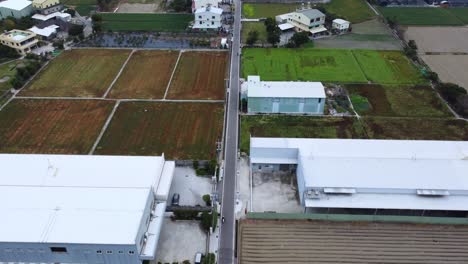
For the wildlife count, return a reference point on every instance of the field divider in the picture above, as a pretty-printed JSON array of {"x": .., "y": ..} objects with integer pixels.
[
  {"x": 172, "y": 75},
  {"x": 118, "y": 74},
  {"x": 104, "y": 128}
]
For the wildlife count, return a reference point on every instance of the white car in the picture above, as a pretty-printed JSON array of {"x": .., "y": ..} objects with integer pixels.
[{"x": 198, "y": 257}]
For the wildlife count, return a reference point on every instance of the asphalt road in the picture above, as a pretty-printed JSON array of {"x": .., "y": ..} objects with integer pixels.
[{"x": 227, "y": 234}]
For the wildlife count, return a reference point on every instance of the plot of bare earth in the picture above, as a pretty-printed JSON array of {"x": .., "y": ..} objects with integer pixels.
[
  {"x": 138, "y": 8},
  {"x": 439, "y": 39},
  {"x": 263, "y": 241},
  {"x": 451, "y": 68}
]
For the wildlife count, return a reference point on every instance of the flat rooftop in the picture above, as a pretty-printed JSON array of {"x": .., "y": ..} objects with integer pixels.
[
  {"x": 15, "y": 4},
  {"x": 257, "y": 88},
  {"x": 300, "y": 241}
]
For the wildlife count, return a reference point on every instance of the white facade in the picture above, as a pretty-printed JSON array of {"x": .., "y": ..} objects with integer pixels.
[
  {"x": 197, "y": 4},
  {"x": 372, "y": 174},
  {"x": 340, "y": 24},
  {"x": 303, "y": 20},
  {"x": 82, "y": 209},
  {"x": 208, "y": 18}
]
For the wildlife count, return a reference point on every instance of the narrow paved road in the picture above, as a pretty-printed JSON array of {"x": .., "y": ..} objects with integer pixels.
[{"x": 227, "y": 235}]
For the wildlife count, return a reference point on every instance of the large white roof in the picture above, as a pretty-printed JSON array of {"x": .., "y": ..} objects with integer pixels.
[
  {"x": 393, "y": 167},
  {"x": 15, "y": 4},
  {"x": 257, "y": 88},
  {"x": 210, "y": 9},
  {"x": 76, "y": 199}
]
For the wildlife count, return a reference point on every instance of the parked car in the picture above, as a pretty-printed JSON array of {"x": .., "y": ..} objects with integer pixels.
[
  {"x": 175, "y": 199},
  {"x": 198, "y": 258}
]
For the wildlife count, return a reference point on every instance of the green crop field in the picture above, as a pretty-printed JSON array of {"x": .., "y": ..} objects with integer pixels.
[
  {"x": 423, "y": 16},
  {"x": 461, "y": 13},
  {"x": 302, "y": 65},
  {"x": 355, "y": 11},
  {"x": 298, "y": 127},
  {"x": 83, "y": 7},
  {"x": 330, "y": 65},
  {"x": 182, "y": 131},
  {"x": 146, "y": 22},
  {"x": 251, "y": 26},
  {"x": 388, "y": 67},
  {"x": 397, "y": 101},
  {"x": 79, "y": 72}
]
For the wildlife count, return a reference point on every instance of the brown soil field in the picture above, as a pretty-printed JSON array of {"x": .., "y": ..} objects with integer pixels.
[
  {"x": 52, "y": 126},
  {"x": 439, "y": 39},
  {"x": 181, "y": 131},
  {"x": 289, "y": 241},
  {"x": 78, "y": 73},
  {"x": 450, "y": 68},
  {"x": 200, "y": 75},
  {"x": 146, "y": 75}
]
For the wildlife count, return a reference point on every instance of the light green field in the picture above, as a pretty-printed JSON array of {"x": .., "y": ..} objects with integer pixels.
[{"x": 330, "y": 65}]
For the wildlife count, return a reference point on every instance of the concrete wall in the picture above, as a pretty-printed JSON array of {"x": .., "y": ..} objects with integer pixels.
[{"x": 286, "y": 105}]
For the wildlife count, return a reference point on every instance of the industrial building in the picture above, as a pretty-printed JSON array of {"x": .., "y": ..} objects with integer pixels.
[
  {"x": 15, "y": 8},
  {"x": 284, "y": 97},
  {"x": 82, "y": 209},
  {"x": 404, "y": 177}
]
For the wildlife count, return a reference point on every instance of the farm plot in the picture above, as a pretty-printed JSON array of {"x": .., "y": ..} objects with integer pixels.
[
  {"x": 298, "y": 127},
  {"x": 254, "y": 26},
  {"x": 388, "y": 67},
  {"x": 415, "y": 128},
  {"x": 302, "y": 65},
  {"x": 450, "y": 68},
  {"x": 417, "y": 101},
  {"x": 181, "y": 131},
  {"x": 311, "y": 241},
  {"x": 421, "y": 16},
  {"x": 439, "y": 39},
  {"x": 146, "y": 75},
  {"x": 146, "y": 22},
  {"x": 78, "y": 73},
  {"x": 83, "y": 7},
  {"x": 199, "y": 75},
  {"x": 51, "y": 126}
]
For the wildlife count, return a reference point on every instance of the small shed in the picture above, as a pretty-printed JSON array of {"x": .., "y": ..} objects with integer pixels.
[{"x": 341, "y": 25}]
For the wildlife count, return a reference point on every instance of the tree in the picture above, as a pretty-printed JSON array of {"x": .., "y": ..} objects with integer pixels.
[
  {"x": 299, "y": 39},
  {"x": 252, "y": 37},
  {"x": 207, "y": 199},
  {"x": 451, "y": 92},
  {"x": 181, "y": 5},
  {"x": 412, "y": 44},
  {"x": 9, "y": 24},
  {"x": 274, "y": 36},
  {"x": 432, "y": 76},
  {"x": 97, "y": 23},
  {"x": 7, "y": 52},
  {"x": 70, "y": 11},
  {"x": 209, "y": 259},
  {"x": 75, "y": 30},
  {"x": 411, "y": 53},
  {"x": 461, "y": 105}
]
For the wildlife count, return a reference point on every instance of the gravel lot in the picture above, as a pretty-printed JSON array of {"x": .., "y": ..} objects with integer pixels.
[{"x": 439, "y": 39}]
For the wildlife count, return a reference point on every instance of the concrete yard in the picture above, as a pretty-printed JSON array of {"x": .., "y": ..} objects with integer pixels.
[
  {"x": 179, "y": 241},
  {"x": 275, "y": 193},
  {"x": 190, "y": 186}
]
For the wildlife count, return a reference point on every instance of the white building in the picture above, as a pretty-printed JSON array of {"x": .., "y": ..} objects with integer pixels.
[
  {"x": 284, "y": 97},
  {"x": 82, "y": 209},
  {"x": 418, "y": 177},
  {"x": 208, "y": 18},
  {"x": 341, "y": 24},
  {"x": 15, "y": 8},
  {"x": 308, "y": 20},
  {"x": 197, "y": 4}
]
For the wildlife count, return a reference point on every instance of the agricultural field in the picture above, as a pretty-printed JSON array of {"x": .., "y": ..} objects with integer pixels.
[
  {"x": 439, "y": 39},
  {"x": 78, "y": 73},
  {"x": 183, "y": 131},
  {"x": 200, "y": 75},
  {"x": 355, "y": 11},
  {"x": 312, "y": 241},
  {"x": 461, "y": 13},
  {"x": 450, "y": 68},
  {"x": 421, "y": 16},
  {"x": 252, "y": 26},
  {"x": 146, "y": 75},
  {"x": 416, "y": 128},
  {"x": 298, "y": 127},
  {"x": 388, "y": 67},
  {"x": 52, "y": 126},
  {"x": 146, "y": 22},
  {"x": 83, "y": 7},
  {"x": 397, "y": 101},
  {"x": 357, "y": 66}
]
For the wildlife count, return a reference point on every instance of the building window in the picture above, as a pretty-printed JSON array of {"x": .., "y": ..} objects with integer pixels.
[
  {"x": 199, "y": 16},
  {"x": 98, "y": 251},
  {"x": 212, "y": 23},
  {"x": 213, "y": 17},
  {"x": 201, "y": 22},
  {"x": 120, "y": 251},
  {"x": 58, "y": 249},
  {"x": 131, "y": 252},
  {"x": 109, "y": 252},
  {"x": 320, "y": 100}
]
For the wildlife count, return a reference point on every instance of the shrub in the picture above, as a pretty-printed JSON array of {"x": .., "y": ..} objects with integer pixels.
[
  {"x": 252, "y": 37},
  {"x": 185, "y": 214},
  {"x": 412, "y": 44},
  {"x": 432, "y": 76},
  {"x": 209, "y": 259},
  {"x": 186, "y": 261},
  {"x": 451, "y": 91},
  {"x": 207, "y": 199},
  {"x": 195, "y": 164}
]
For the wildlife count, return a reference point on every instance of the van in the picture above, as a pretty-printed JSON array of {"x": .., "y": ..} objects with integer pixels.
[{"x": 198, "y": 257}]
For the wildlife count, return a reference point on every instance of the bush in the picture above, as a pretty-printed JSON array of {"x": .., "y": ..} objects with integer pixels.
[
  {"x": 70, "y": 11},
  {"x": 7, "y": 52},
  {"x": 451, "y": 91},
  {"x": 432, "y": 76},
  {"x": 252, "y": 37},
  {"x": 207, "y": 199},
  {"x": 209, "y": 259},
  {"x": 195, "y": 164},
  {"x": 76, "y": 30},
  {"x": 412, "y": 44},
  {"x": 185, "y": 214},
  {"x": 298, "y": 39},
  {"x": 411, "y": 53},
  {"x": 186, "y": 261}
]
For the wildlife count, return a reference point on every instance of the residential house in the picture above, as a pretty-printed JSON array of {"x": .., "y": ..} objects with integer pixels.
[
  {"x": 15, "y": 8},
  {"x": 284, "y": 97},
  {"x": 340, "y": 25},
  {"x": 46, "y": 7},
  {"x": 197, "y": 4},
  {"x": 309, "y": 20},
  {"x": 20, "y": 40},
  {"x": 208, "y": 18}
]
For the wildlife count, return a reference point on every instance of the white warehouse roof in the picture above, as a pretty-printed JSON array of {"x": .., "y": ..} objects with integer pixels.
[
  {"x": 79, "y": 199},
  {"x": 376, "y": 173},
  {"x": 257, "y": 88},
  {"x": 17, "y": 5}
]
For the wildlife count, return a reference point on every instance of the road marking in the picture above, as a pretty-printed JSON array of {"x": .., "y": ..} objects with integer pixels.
[
  {"x": 118, "y": 74},
  {"x": 172, "y": 75},
  {"x": 104, "y": 128}
]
